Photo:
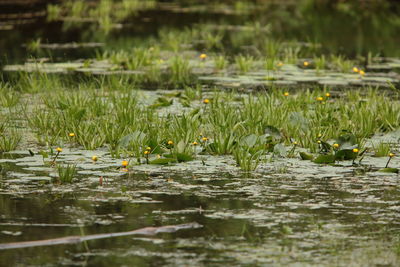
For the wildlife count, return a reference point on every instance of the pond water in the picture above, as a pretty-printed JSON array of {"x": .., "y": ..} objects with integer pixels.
[
  {"x": 327, "y": 214},
  {"x": 287, "y": 213}
]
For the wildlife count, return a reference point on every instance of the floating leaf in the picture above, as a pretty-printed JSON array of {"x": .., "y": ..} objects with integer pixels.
[
  {"x": 162, "y": 102},
  {"x": 389, "y": 170},
  {"x": 345, "y": 154},
  {"x": 163, "y": 161},
  {"x": 325, "y": 159},
  {"x": 306, "y": 156},
  {"x": 182, "y": 157}
]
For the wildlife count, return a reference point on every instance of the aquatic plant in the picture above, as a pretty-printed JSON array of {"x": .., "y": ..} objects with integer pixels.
[
  {"x": 66, "y": 172},
  {"x": 180, "y": 71},
  {"x": 220, "y": 62},
  {"x": 381, "y": 150},
  {"x": 9, "y": 141},
  {"x": 244, "y": 63}
]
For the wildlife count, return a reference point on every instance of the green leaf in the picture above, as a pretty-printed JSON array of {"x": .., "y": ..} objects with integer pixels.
[
  {"x": 164, "y": 161},
  {"x": 273, "y": 132},
  {"x": 182, "y": 157},
  {"x": 345, "y": 154},
  {"x": 162, "y": 102},
  {"x": 180, "y": 147},
  {"x": 249, "y": 141},
  {"x": 389, "y": 170},
  {"x": 306, "y": 156},
  {"x": 325, "y": 159}
]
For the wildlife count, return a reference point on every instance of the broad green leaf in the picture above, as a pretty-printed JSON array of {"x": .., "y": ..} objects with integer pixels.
[
  {"x": 182, "y": 157},
  {"x": 389, "y": 170},
  {"x": 306, "y": 156},
  {"x": 249, "y": 141},
  {"x": 163, "y": 161},
  {"x": 325, "y": 159},
  {"x": 345, "y": 154}
]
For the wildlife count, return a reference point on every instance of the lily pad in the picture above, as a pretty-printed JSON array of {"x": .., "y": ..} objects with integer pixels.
[
  {"x": 389, "y": 170},
  {"x": 163, "y": 161},
  {"x": 345, "y": 154},
  {"x": 306, "y": 156},
  {"x": 325, "y": 159}
]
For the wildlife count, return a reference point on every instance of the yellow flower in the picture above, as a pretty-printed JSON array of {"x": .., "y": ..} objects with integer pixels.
[
  {"x": 206, "y": 101},
  {"x": 319, "y": 141},
  {"x": 95, "y": 158},
  {"x": 203, "y": 56},
  {"x": 355, "y": 150},
  {"x": 170, "y": 142},
  {"x": 319, "y": 135},
  {"x": 125, "y": 163},
  {"x": 320, "y": 98},
  {"x": 195, "y": 143},
  {"x": 71, "y": 134},
  {"x": 336, "y": 145},
  {"x": 295, "y": 143},
  {"x": 306, "y": 63},
  {"x": 362, "y": 73},
  {"x": 280, "y": 64},
  {"x": 327, "y": 94},
  {"x": 286, "y": 93},
  {"x": 146, "y": 152},
  {"x": 59, "y": 149},
  {"x": 204, "y": 139},
  {"x": 355, "y": 69},
  {"x": 148, "y": 148},
  {"x": 391, "y": 155}
]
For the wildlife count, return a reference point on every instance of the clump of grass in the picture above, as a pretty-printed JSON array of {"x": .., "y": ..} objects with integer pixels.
[
  {"x": 244, "y": 63},
  {"x": 34, "y": 45},
  {"x": 320, "y": 63},
  {"x": 53, "y": 12},
  {"x": 342, "y": 64},
  {"x": 220, "y": 62},
  {"x": 10, "y": 141},
  {"x": 246, "y": 160},
  {"x": 180, "y": 71},
  {"x": 381, "y": 150},
  {"x": 66, "y": 173}
]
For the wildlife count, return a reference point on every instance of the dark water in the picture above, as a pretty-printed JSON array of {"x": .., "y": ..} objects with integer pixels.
[
  {"x": 352, "y": 31},
  {"x": 320, "y": 217}
]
